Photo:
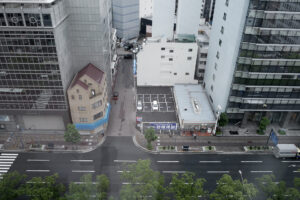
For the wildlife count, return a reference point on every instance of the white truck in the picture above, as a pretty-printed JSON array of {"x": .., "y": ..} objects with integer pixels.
[{"x": 286, "y": 151}]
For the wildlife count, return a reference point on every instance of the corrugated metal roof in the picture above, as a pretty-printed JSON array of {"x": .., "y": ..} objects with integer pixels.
[{"x": 193, "y": 104}]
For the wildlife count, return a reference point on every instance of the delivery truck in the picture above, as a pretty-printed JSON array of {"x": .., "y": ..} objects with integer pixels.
[{"x": 286, "y": 151}]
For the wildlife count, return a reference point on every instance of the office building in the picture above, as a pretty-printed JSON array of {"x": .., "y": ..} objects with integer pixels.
[
  {"x": 43, "y": 43},
  {"x": 126, "y": 18},
  {"x": 253, "y": 61},
  {"x": 209, "y": 8}
]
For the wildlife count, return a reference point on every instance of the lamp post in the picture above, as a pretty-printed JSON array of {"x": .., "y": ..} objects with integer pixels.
[
  {"x": 240, "y": 172},
  {"x": 218, "y": 115}
]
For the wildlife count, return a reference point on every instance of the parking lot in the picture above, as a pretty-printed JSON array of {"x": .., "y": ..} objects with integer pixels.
[{"x": 166, "y": 106}]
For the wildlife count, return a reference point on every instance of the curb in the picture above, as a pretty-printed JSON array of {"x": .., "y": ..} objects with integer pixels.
[{"x": 143, "y": 148}]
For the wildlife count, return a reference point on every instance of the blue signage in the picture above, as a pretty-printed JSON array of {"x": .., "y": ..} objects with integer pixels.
[
  {"x": 134, "y": 66},
  {"x": 274, "y": 137},
  {"x": 164, "y": 126}
]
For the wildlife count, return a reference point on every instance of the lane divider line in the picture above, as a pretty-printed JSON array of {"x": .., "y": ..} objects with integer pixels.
[
  {"x": 125, "y": 161},
  {"x": 38, "y": 170},
  {"x": 83, "y": 171},
  {"x": 251, "y": 161},
  {"x": 217, "y": 172},
  {"x": 81, "y": 160},
  {"x": 168, "y": 161},
  {"x": 37, "y": 160},
  {"x": 173, "y": 172},
  {"x": 210, "y": 161},
  {"x": 261, "y": 171}
]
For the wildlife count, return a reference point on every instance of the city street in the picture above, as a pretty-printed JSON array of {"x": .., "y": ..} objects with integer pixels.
[{"x": 109, "y": 159}]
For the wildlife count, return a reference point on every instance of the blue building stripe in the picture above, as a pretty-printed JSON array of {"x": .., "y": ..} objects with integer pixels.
[{"x": 96, "y": 124}]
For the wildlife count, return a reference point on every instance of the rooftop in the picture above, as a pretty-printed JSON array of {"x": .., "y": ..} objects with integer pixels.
[
  {"x": 193, "y": 104},
  {"x": 90, "y": 70},
  {"x": 27, "y": 1},
  {"x": 185, "y": 38}
]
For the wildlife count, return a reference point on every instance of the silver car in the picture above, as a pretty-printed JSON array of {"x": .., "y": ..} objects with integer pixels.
[{"x": 139, "y": 106}]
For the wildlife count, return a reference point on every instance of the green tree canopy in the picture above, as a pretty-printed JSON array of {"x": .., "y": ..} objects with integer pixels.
[
  {"x": 72, "y": 135},
  {"x": 229, "y": 189},
  {"x": 150, "y": 135},
  {"x": 223, "y": 121},
  {"x": 88, "y": 189},
  {"x": 185, "y": 187},
  {"x": 264, "y": 122},
  {"x": 278, "y": 191},
  {"x": 143, "y": 182},
  {"x": 11, "y": 185},
  {"x": 44, "y": 188}
]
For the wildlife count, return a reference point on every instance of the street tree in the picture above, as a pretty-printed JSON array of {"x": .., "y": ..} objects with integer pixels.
[
  {"x": 186, "y": 187},
  {"x": 223, "y": 121},
  {"x": 72, "y": 135},
  {"x": 11, "y": 185},
  {"x": 264, "y": 122},
  {"x": 229, "y": 189},
  {"x": 44, "y": 188},
  {"x": 88, "y": 189},
  {"x": 144, "y": 183},
  {"x": 278, "y": 191},
  {"x": 150, "y": 137}
]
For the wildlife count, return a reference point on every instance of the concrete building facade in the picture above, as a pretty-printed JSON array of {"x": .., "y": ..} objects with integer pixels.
[
  {"x": 42, "y": 45},
  {"x": 88, "y": 100},
  {"x": 253, "y": 61},
  {"x": 146, "y": 8},
  {"x": 170, "y": 62},
  {"x": 126, "y": 18}
]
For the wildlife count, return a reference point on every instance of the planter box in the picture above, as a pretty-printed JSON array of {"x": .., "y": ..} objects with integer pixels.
[
  {"x": 258, "y": 148},
  {"x": 161, "y": 148},
  {"x": 206, "y": 148},
  {"x": 34, "y": 147}
]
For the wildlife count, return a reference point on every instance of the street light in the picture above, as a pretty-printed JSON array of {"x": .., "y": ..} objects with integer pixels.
[
  {"x": 218, "y": 115},
  {"x": 240, "y": 172}
]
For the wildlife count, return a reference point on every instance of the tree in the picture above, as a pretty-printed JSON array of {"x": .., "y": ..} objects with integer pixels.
[
  {"x": 150, "y": 137},
  {"x": 228, "y": 189},
  {"x": 89, "y": 190},
  {"x": 223, "y": 121},
  {"x": 278, "y": 191},
  {"x": 11, "y": 186},
  {"x": 44, "y": 188},
  {"x": 264, "y": 122},
  {"x": 72, "y": 135},
  {"x": 143, "y": 182},
  {"x": 185, "y": 187}
]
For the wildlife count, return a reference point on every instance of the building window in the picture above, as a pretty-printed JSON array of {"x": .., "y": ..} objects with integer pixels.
[
  {"x": 175, "y": 73},
  {"x": 224, "y": 16},
  {"x": 220, "y": 42},
  {"x": 170, "y": 59},
  {"x": 227, "y": 2},
  {"x": 189, "y": 58},
  {"x": 162, "y": 57},
  {"x": 93, "y": 92},
  {"x": 171, "y": 51},
  {"x": 187, "y": 73},
  {"x": 2, "y": 126},
  {"x": 98, "y": 115},
  {"x": 212, "y": 88},
  {"x": 214, "y": 77},
  {"x": 222, "y": 29},
  {"x": 80, "y": 97},
  {"x": 77, "y": 90},
  {"x": 163, "y": 48},
  {"x": 97, "y": 104},
  {"x": 81, "y": 108},
  {"x": 203, "y": 55},
  {"x": 216, "y": 66},
  {"x": 83, "y": 119},
  {"x": 218, "y": 55},
  {"x": 202, "y": 62},
  {"x": 73, "y": 97},
  {"x": 190, "y": 50}
]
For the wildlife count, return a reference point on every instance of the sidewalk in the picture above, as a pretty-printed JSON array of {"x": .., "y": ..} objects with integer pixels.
[{"x": 25, "y": 140}]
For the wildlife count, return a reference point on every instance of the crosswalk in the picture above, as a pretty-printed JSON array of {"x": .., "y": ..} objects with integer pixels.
[{"x": 6, "y": 160}]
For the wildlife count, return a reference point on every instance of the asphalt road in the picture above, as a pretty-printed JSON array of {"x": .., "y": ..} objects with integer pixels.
[{"x": 110, "y": 157}]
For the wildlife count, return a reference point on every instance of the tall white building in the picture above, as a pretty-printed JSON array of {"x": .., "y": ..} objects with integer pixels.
[
  {"x": 146, "y": 8},
  {"x": 165, "y": 63},
  {"x": 253, "y": 61}
]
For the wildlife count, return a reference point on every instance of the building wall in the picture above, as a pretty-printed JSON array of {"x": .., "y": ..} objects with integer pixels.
[
  {"x": 163, "y": 18},
  {"x": 219, "y": 71},
  {"x": 158, "y": 70},
  {"x": 146, "y": 8},
  {"x": 188, "y": 16},
  {"x": 126, "y": 18}
]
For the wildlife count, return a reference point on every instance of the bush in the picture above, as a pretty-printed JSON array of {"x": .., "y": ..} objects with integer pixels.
[
  {"x": 209, "y": 147},
  {"x": 250, "y": 147},
  {"x": 281, "y": 132},
  {"x": 258, "y": 148},
  {"x": 164, "y": 148},
  {"x": 149, "y": 146},
  {"x": 172, "y": 147}
]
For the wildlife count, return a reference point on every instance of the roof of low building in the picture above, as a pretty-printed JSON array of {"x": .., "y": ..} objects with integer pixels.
[
  {"x": 193, "y": 104},
  {"x": 91, "y": 71}
]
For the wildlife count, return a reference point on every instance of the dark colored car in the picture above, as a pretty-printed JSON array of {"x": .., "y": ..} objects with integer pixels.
[
  {"x": 128, "y": 56},
  {"x": 185, "y": 148},
  {"x": 115, "y": 95}
]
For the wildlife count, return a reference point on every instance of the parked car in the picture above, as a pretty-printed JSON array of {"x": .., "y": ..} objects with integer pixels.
[
  {"x": 154, "y": 106},
  {"x": 139, "y": 106}
]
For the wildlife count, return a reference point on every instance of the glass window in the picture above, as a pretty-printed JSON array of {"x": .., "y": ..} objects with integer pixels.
[
  {"x": 163, "y": 48},
  {"x": 80, "y": 97},
  {"x": 222, "y": 29},
  {"x": 224, "y": 16},
  {"x": 14, "y": 19},
  {"x": 32, "y": 19},
  {"x": 189, "y": 58},
  {"x": 98, "y": 115},
  {"x": 227, "y": 2},
  {"x": 47, "y": 20},
  {"x": 2, "y": 20}
]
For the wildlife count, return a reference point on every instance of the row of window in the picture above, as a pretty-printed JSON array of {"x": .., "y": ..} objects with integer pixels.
[
  {"x": 172, "y": 51},
  {"x": 31, "y": 19},
  {"x": 283, "y": 107},
  {"x": 24, "y": 60},
  {"x": 262, "y": 94},
  {"x": 29, "y": 68},
  {"x": 268, "y": 68},
  {"x": 31, "y": 106},
  {"x": 277, "y": 82},
  {"x": 171, "y": 59}
]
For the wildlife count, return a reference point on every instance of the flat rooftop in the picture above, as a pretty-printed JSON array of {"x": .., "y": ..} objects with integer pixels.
[
  {"x": 193, "y": 104},
  {"x": 27, "y": 1}
]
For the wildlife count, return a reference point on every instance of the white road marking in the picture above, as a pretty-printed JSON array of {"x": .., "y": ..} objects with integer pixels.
[
  {"x": 127, "y": 183},
  {"x": 122, "y": 171},
  {"x": 78, "y": 183},
  {"x": 6, "y": 163},
  {"x": 9, "y": 154},
  {"x": 251, "y": 161},
  {"x": 126, "y": 161},
  {"x": 29, "y": 182},
  {"x": 173, "y": 172},
  {"x": 7, "y": 159},
  {"x": 210, "y": 161},
  {"x": 38, "y": 170},
  {"x": 83, "y": 171},
  {"x": 168, "y": 161},
  {"x": 290, "y": 161},
  {"x": 217, "y": 172},
  {"x": 81, "y": 160},
  {"x": 3, "y": 171},
  {"x": 1, "y": 168},
  {"x": 296, "y": 171},
  {"x": 37, "y": 160},
  {"x": 261, "y": 171}
]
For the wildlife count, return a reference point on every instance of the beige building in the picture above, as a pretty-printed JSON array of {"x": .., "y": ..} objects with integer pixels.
[{"x": 88, "y": 100}]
